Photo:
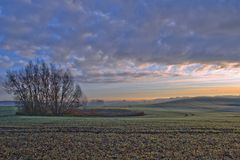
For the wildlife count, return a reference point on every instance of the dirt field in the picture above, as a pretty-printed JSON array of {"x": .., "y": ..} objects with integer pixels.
[{"x": 119, "y": 138}]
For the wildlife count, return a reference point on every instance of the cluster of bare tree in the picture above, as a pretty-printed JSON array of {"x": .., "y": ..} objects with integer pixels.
[{"x": 42, "y": 88}]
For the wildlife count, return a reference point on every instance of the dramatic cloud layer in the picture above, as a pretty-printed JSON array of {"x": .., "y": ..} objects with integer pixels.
[{"x": 113, "y": 41}]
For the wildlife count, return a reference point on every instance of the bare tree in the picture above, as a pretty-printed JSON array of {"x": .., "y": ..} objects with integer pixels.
[
  {"x": 79, "y": 98},
  {"x": 41, "y": 88}
]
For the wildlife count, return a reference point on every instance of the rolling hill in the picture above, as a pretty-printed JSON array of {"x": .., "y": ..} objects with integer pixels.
[
  {"x": 7, "y": 103},
  {"x": 220, "y": 104}
]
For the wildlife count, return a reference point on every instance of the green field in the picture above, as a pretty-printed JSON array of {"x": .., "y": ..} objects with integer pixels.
[{"x": 163, "y": 133}]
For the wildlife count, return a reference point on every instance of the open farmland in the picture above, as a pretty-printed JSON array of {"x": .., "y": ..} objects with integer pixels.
[
  {"x": 119, "y": 79},
  {"x": 160, "y": 134}
]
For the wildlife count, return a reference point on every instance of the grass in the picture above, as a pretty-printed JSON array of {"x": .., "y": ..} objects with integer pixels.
[
  {"x": 7, "y": 111},
  {"x": 160, "y": 134}
]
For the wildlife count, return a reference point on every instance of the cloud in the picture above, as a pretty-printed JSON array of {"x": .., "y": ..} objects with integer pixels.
[
  {"x": 111, "y": 41},
  {"x": 5, "y": 62}
]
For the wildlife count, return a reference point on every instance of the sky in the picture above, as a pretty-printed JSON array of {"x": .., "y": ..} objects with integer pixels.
[{"x": 128, "y": 49}]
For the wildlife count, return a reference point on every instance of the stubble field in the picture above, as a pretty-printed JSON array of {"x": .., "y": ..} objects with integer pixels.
[{"x": 158, "y": 135}]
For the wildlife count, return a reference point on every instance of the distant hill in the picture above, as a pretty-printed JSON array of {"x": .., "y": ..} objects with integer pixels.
[
  {"x": 7, "y": 103},
  {"x": 224, "y": 104}
]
